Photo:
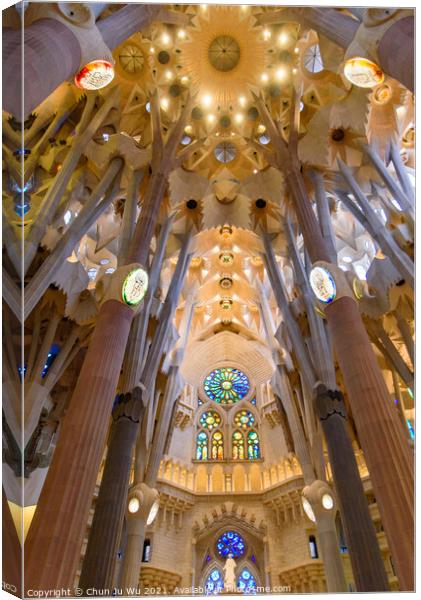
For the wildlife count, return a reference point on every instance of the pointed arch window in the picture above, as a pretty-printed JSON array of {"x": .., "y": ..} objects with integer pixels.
[
  {"x": 214, "y": 583},
  {"x": 238, "y": 450},
  {"x": 253, "y": 445},
  {"x": 246, "y": 582},
  {"x": 202, "y": 446},
  {"x": 217, "y": 446}
]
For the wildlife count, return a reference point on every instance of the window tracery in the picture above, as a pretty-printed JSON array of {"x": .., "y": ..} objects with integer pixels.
[
  {"x": 230, "y": 542},
  {"x": 226, "y": 385}
]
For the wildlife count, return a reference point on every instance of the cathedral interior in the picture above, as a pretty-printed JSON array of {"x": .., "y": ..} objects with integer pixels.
[{"x": 208, "y": 299}]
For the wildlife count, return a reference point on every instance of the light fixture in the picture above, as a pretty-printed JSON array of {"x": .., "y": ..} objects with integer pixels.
[
  {"x": 181, "y": 34},
  {"x": 104, "y": 261},
  {"x": 134, "y": 505},
  {"x": 267, "y": 34},
  {"x": 363, "y": 72},
  {"x": 327, "y": 501},
  {"x": 242, "y": 100},
  {"x": 322, "y": 284},
  {"x": 283, "y": 39},
  {"x": 184, "y": 79},
  {"x": 95, "y": 75},
  {"x": 152, "y": 513},
  {"x": 211, "y": 118},
  {"x": 165, "y": 39},
  {"x": 264, "y": 77},
  {"x": 135, "y": 286},
  {"x": 169, "y": 74},
  {"x": 207, "y": 100},
  {"x": 239, "y": 118},
  {"x": 164, "y": 103},
  {"x": 152, "y": 50},
  {"x": 308, "y": 509},
  {"x": 281, "y": 73}
]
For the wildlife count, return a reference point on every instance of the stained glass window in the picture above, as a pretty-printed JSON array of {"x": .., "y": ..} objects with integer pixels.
[
  {"x": 230, "y": 542},
  {"x": 214, "y": 583},
  {"x": 238, "y": 446},
  {"x": 217, "y": 446},
  {"x": 253, "y": 445},
  {"x": 210, "y": 420},
  {"x": 253, "y": 401},
  {"x": 244, "y": 419},
  {"x": 202, "y": 446},
  {"x": 226, "y": 385},
  {"x": 246, "y": 582}
]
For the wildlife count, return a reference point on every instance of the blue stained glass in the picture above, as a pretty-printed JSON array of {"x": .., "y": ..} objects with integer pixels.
[
  {"x": 214, "y": 583},
  {"x": 230, "y": 542},
  {"x": 253, "y": 401},
  {"x": 411, "y": 429},
  {"x": 246, "y": 582},
  {"x": 226, "y": 385},
  {"x": 253, "y": 445},
  {"x": 54, "y": 350},
  {"x": 202, "y": 446}
]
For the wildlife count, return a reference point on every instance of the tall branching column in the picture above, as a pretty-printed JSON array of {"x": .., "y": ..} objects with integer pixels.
[
  {"x": 53, "y": 544},
  {"x": 389, "y": 457},
  {"x": 101, "y": 553}
]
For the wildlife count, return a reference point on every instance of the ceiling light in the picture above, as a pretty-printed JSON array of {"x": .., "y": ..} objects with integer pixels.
[
  {"x": 188, "y": 129},
  {"x": 281, "y": 73},
  {"x": 239, "y": 118},
  {"x": 165, "y": 38},
  {"x": 267, "y": 34},
  {"x": 283, "y": 39},
  {"x": 207, "y": 100},
  {"x": 169, "y": 74},
  {"x": 152, "y": 50},
  {"x": 164, "y": 103},
  {"x": 184, "y": 79},
  {"x": 211, "y": 118},
  {"x": 181, "y": 34},
  {"x": 264, "y": 77},
  {"x": 255, "y": 171},
  {"x": 261, "y": 128},
  {"x": 242, "y": 100},
  {"x": 296, "y": 50}
]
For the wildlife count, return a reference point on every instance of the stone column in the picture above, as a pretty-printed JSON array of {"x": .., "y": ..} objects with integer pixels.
[
  {"x": 52, "y": 548},
  {"x": 324, "y": 516},
  {"x": 143, "y": 504},
  {"x": 366, "y": 560},
  {"x": 101, "y": 554},
  {"x": 387, "y": 452}
]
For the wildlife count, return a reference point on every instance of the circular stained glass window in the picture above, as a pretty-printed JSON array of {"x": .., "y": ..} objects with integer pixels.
[
  {"x": 210, "y": 420},
  {"x": 230, "y": 542},
  {"x": 226, "y": 385},
  {"x": 244, "y": 419}
]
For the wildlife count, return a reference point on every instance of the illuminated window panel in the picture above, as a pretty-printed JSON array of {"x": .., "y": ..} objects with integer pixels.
[
  {"x": 246, "y": 582},
  {"x": 244, "y": 419},
  {"x": 226, "y": 385},
  {"x": 210, "y": 420},
  {"x": 230, "y": 542},
  {"x": 253, "y": 445},
  {"x": 202, "y": 446},
  {"x": 214, "y": 583},
  {"x": 238, "y": 451},
  {"x": 217, "y": 446}
]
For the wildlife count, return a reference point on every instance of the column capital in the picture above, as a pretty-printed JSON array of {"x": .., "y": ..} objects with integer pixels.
[
  {"x": 129, "y": 406},
  {"x": 128, "y": 285},
  {"x": 374, "y": 26},
  {"x": 328, "y": 402},
  {"x": 322, "y": 500},
  {"x": 80, "y": 19}
]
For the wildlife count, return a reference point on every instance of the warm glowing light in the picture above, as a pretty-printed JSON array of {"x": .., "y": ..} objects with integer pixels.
[
  {"x": 296, "y": 50},
  {"x": 165, "y": 38},
  {"x": 95, "y": 75},
  {"x": 207, "y": 100},
  {"x": 153, "y": 512},
  {"x": 242, "y": 100},
  {"x": 211, "y": 118},
  {"x": 239, "y": 118},
  {"x": 188, "y": 129},
  {"x": 152, "y": 50},
  {"x": 134, "y": 505},
  {"x": 184, "y": 79},
  {"x": 283, "y": 39},
  {"x": 267, "y": 34},
  {"x": 255, "y": 171},
  {"x": 294, "y": 71},
  {"x": 181, "y": 34},
  {"x": 264, "y": 77},
  {"x": 169, "y": 74},
  {"x": 281, "y": 73},
  {"x": 164, "y": 103},
  {"x": 261, "y": 128},
  {"x": 363, "y": 73},
  {"x": 308, "y": 509}
]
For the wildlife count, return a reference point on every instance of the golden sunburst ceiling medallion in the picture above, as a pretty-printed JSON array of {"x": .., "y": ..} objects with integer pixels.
[{"x": 224, "y": 56}]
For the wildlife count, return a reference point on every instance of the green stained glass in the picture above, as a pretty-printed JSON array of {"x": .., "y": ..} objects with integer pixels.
[
  {"x": 202, "y": 446},
  {"x": 226, "y": 385},
  {"x": 253, "y": 445},
  {"x": 238, "y": 452},
  {"x": 217, "y": 446}
]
